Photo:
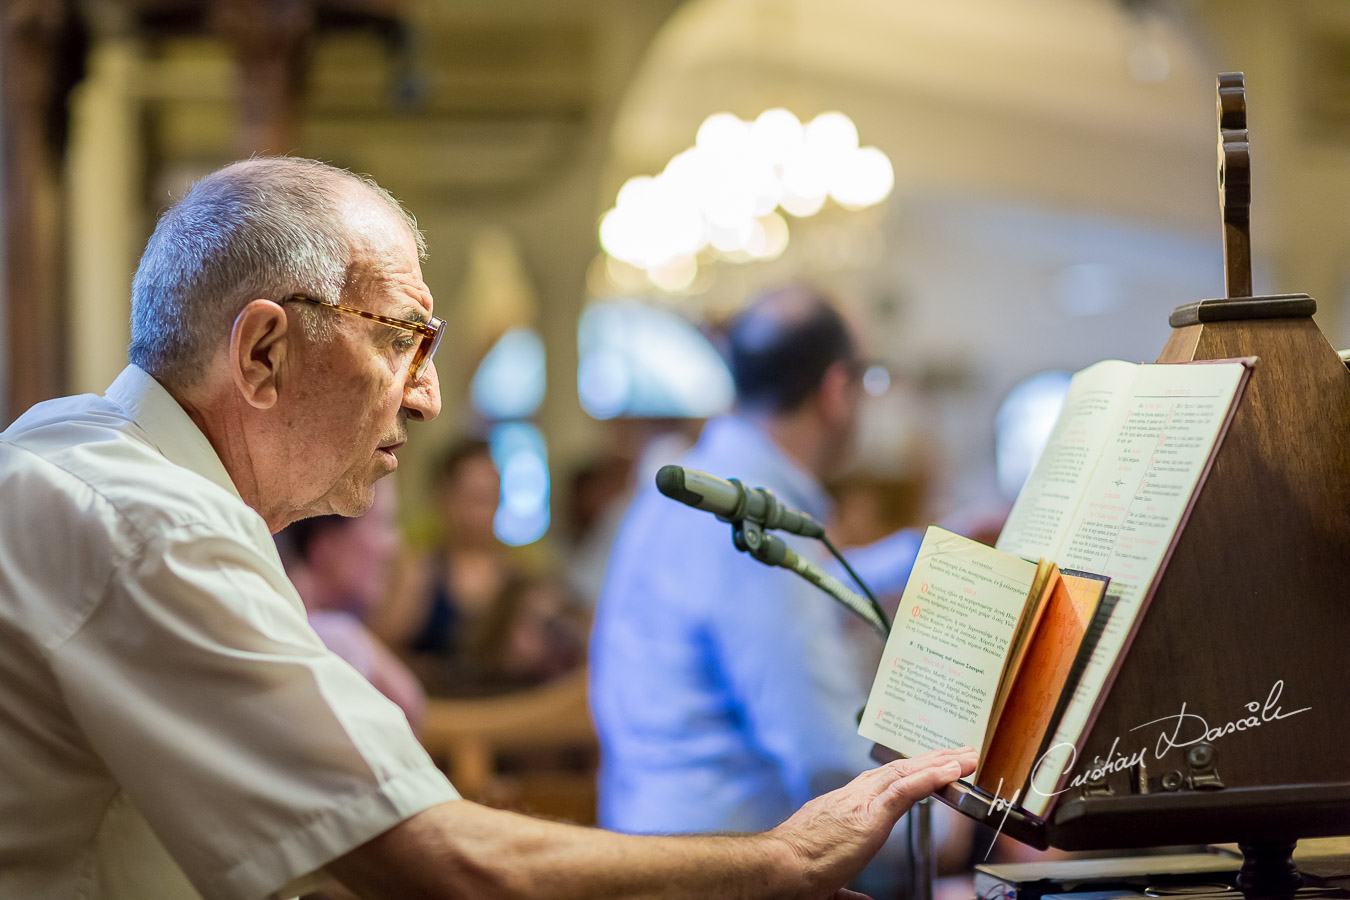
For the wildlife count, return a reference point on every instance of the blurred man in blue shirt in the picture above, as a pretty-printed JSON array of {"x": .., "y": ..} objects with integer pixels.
[{"x": 725, "y": 692}]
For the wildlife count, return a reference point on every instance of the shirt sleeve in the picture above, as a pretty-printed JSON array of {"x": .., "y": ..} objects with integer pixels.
[{"x": 255, "y": 754}]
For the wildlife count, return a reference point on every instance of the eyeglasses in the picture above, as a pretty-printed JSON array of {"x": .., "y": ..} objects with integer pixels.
[{"x": 432, "y": 330}]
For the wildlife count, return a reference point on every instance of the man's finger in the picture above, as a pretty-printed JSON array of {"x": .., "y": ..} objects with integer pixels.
[
  {"x": 964, "y": 755},
  {"x": 944, "y": 751},
  {"x": 907, "y": 789}
]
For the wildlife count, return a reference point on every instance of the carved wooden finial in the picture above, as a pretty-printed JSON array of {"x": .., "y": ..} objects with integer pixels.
[
  {"x": 1235, "y": 202},
  {"x": 1235, "y": 185}
]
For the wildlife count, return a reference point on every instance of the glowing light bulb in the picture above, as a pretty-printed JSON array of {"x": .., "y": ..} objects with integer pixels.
[
  {"x": 775, "y": 134},
  {"x": 675, "y": 275},
  {"x": 832, "y": 135},
  {"x": 864, "y": 178},
  {"x": 805, "y": 183},
  {"x": 633, "y": 190},
  {"x": 775, "y": 236},
  {"x": 722, "y": 134},
  {"x": 731, "y": 239}
]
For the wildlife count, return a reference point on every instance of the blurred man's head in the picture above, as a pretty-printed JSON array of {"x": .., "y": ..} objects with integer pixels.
[{"x": 795, "y": 363}]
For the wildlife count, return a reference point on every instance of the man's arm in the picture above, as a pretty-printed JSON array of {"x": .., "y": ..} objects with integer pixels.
[{"x": 461, "y": 849}]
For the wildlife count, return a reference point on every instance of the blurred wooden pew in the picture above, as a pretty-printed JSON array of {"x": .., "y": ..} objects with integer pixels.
[{"x": 532, "y": 750}]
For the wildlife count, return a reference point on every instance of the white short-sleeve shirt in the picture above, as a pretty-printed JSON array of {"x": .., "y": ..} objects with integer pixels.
[{"x": 168, "y": 719}]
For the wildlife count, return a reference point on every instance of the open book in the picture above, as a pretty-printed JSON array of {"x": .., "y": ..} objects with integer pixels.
[
  {"x": 1109, "y": 495},
  {"x": 979, "y": 655}
]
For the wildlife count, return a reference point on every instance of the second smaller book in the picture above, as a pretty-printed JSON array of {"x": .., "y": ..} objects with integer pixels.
[{"x": 983, "y": 646}]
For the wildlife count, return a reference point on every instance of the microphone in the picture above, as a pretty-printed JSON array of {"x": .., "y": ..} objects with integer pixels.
[{"x": 732, "y": 501}]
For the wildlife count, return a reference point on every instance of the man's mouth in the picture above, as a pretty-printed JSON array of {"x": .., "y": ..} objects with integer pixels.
[{"x": 390, "y": 448}]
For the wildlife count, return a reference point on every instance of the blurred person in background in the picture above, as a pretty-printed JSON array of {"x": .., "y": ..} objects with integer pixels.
[
  {"x": 601, "y": 493},
  {"x": 534, "y": 632},
  {"x": 458, "y": 580},
  {"x": 726, "y": 693},
  {"x": 474, "y": 616},
  {"x": 340, "y": 567},
  {"x": 598, "y": 496},
  {"x": 468, "y": 569}
]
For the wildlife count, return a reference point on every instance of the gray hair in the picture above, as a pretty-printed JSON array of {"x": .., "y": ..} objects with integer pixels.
[{"x": 263, "y": 228}]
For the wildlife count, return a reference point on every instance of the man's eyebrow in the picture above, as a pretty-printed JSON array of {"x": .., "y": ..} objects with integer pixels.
[{"x": 413, "y": 313}]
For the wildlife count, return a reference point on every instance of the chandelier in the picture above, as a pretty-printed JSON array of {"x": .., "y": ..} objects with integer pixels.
[{"x": 722, "y": 196}]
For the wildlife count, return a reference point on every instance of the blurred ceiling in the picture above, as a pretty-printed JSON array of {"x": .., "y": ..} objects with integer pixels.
[
  {"x": 469, "y": 100},
  {"x": 486, "y": 100}
]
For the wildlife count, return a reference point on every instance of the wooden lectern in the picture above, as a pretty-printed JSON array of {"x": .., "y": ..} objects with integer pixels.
[{"x": 1252, "y": 610}]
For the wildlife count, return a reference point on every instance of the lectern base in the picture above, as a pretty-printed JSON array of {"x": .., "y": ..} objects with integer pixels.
[{"x": 1268, "y": 871}]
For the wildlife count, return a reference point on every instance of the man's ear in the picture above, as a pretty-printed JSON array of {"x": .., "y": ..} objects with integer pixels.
[{"x": 259, "y": 344}]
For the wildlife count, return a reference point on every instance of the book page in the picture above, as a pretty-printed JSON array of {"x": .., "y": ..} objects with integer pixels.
[
  {"x": 939, "y": 672},
  {"x": 1132, "y": 506},
  {"x": 1043, "y": 512}
]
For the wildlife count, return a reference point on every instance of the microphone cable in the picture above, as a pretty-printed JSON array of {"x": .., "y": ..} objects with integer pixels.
[{"x": 867, "y": 592}]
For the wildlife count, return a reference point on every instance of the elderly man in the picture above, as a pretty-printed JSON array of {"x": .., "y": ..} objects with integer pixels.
[{"x": 169, "y": 724}]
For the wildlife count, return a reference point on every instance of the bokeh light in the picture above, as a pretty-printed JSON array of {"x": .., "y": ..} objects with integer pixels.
[{"x": 723, "y": 194}]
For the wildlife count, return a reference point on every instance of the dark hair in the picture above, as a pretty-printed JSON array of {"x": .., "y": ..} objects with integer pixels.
[
  {"x": 458, "y": 454},
  {"x": 780, "y": 346}
]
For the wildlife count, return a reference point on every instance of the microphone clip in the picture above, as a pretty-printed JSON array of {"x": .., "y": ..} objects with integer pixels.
[{"x": 749, "y": 536}]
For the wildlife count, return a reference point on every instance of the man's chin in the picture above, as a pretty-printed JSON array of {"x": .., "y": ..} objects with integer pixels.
[{"x": 355, "y": 500}]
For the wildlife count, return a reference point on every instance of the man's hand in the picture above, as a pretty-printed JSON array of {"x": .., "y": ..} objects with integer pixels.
[{"x": 836, "y": 834}]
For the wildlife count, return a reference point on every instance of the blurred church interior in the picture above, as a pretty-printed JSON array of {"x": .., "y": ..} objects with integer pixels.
[{"x": 1042, "y": 194}]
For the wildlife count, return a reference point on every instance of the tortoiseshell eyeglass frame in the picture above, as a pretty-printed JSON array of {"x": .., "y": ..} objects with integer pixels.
[{"x": 431, "y": 330}]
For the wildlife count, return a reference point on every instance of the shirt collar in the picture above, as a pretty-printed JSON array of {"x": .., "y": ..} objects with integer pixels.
[
  {"x": 733, "y": 436},
  {"x": 167, "y": 425}
]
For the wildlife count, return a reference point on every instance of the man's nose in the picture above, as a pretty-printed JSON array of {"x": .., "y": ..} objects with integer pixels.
[{"x": 422, "y": 398}]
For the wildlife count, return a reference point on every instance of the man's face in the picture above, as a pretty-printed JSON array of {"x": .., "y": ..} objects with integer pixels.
[
  {"x": 353, "y": 395},
  {"x": 468, "y": 501}
]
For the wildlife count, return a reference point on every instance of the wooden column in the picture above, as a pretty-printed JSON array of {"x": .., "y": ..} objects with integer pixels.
[
  {"x": 269, "y": 39},
  {"x": 32, "y": 33}
]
